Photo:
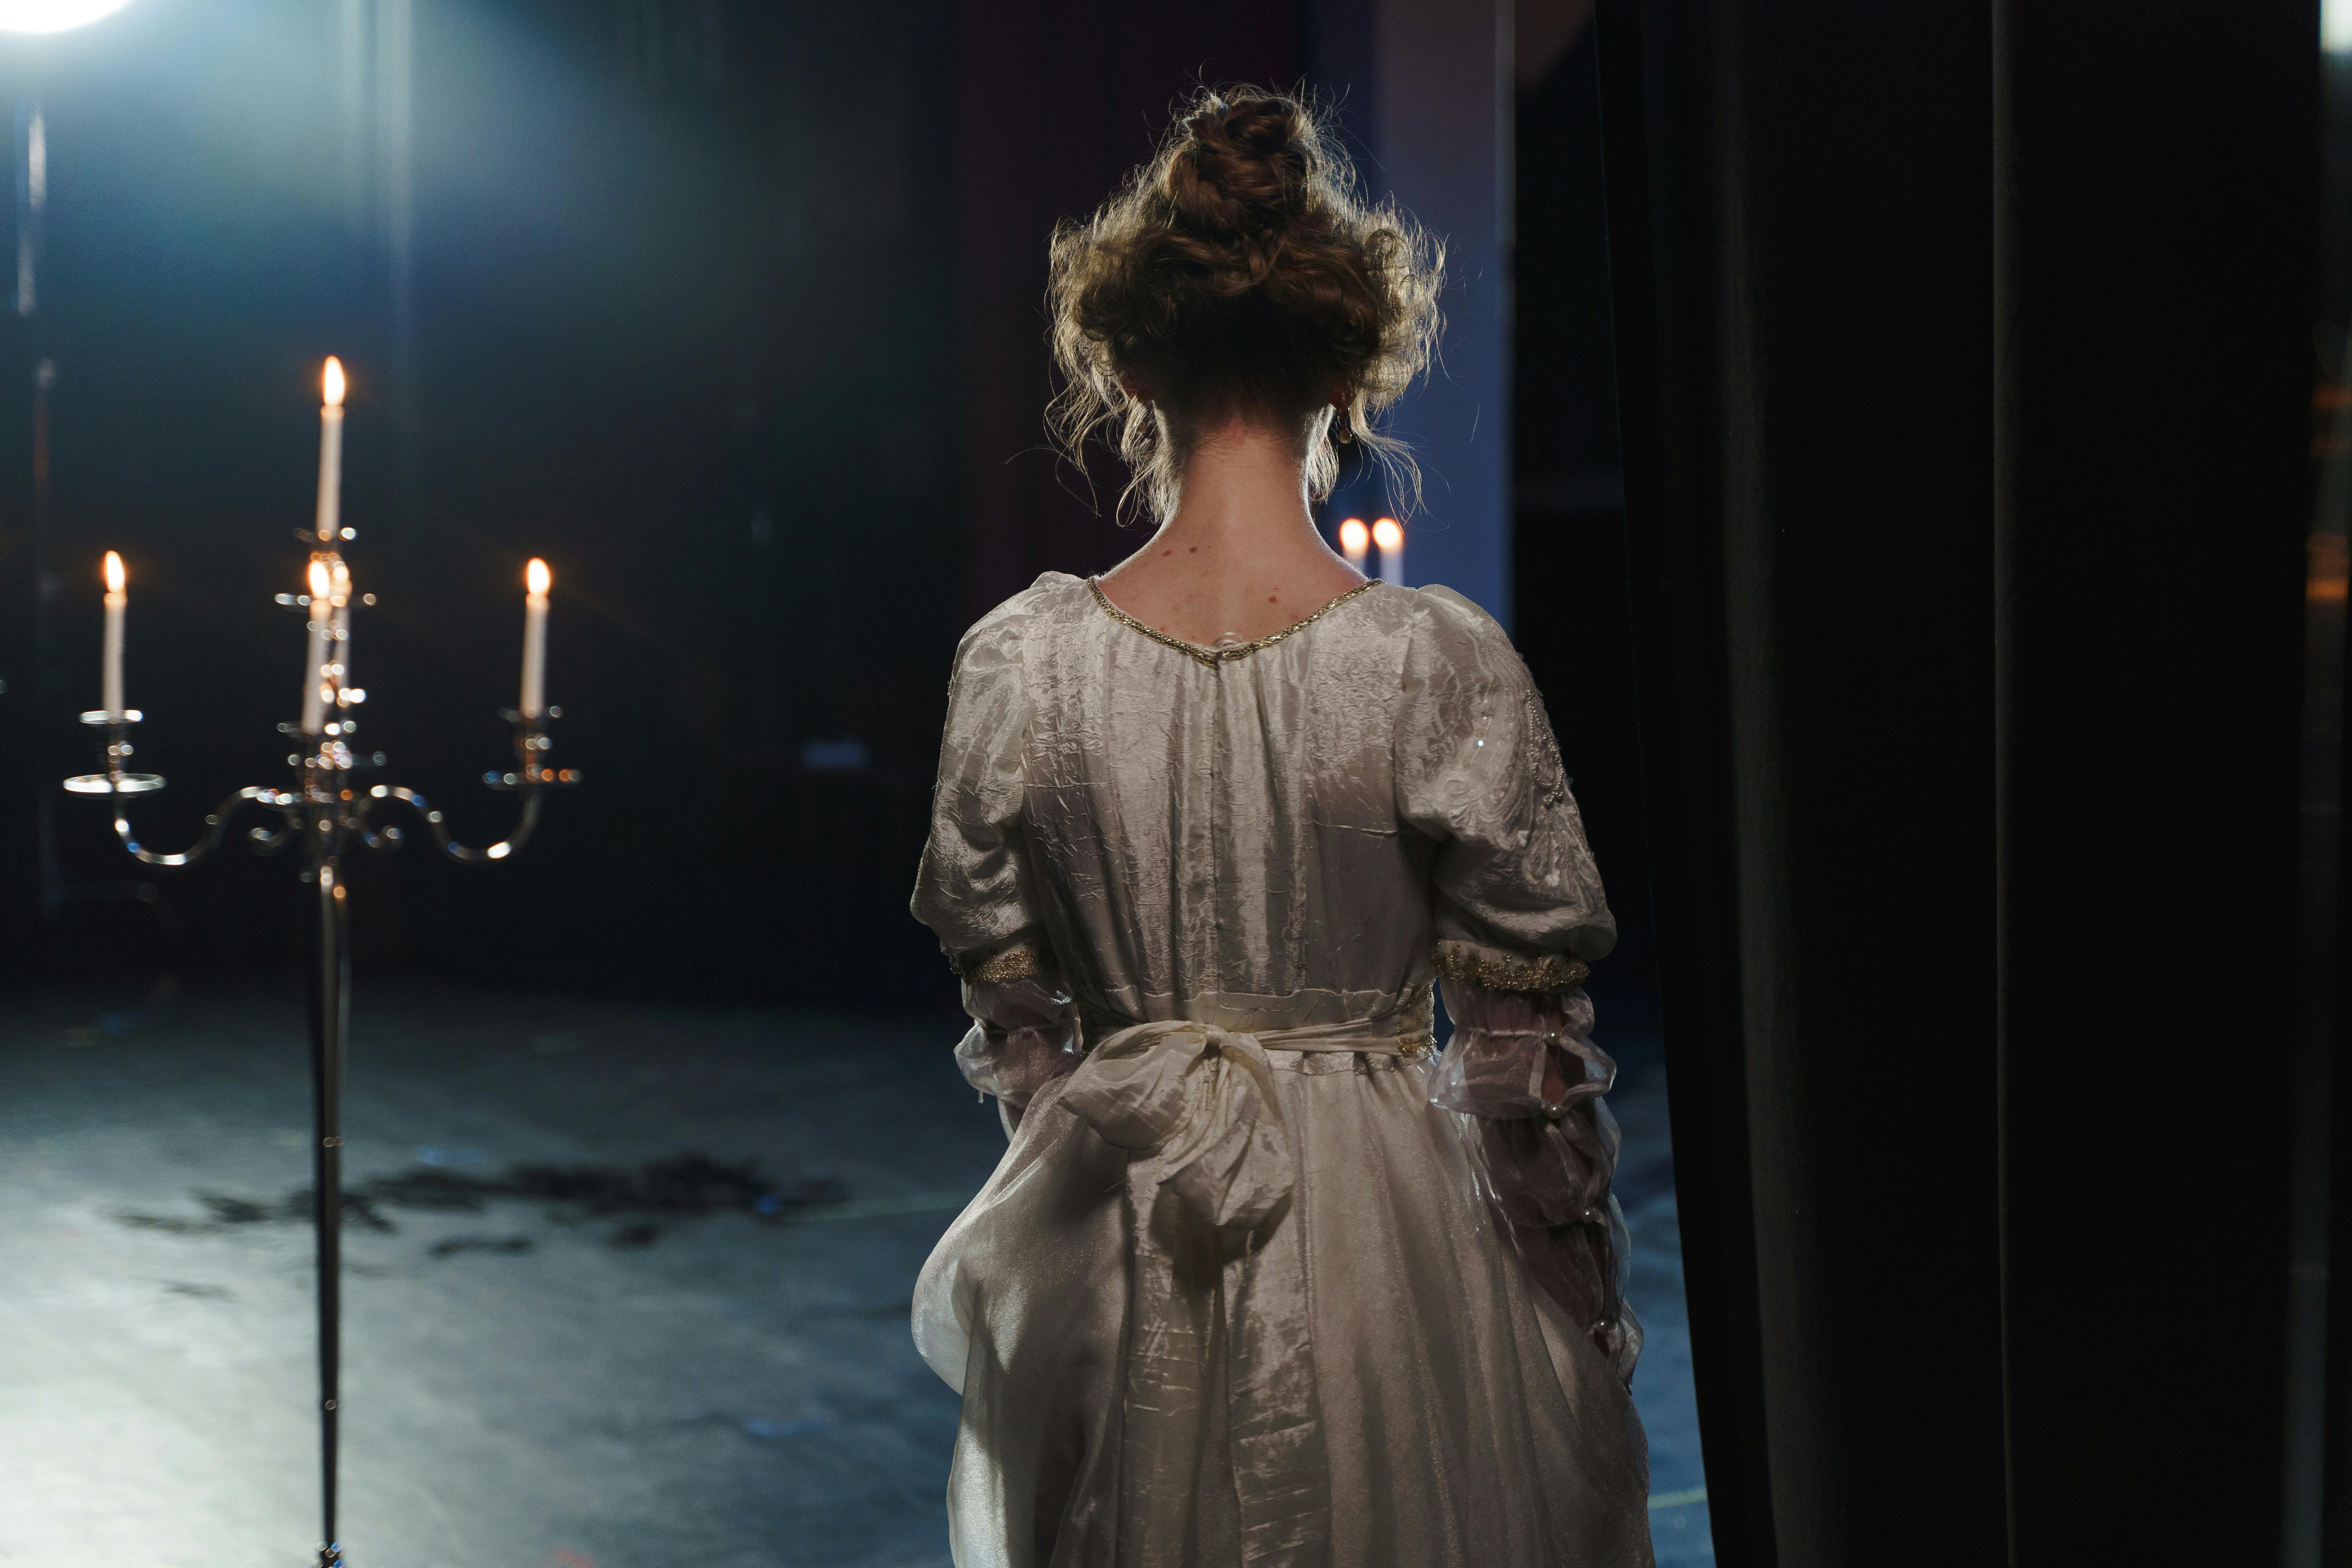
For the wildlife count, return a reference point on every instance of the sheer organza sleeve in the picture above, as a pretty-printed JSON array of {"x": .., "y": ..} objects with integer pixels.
[
  {"x": 975, "y": 887},
  {"x": 1523, "y": 1071},
  {"x": 1024, "y": 1034},
  {"x": 1519, "y": 916}
]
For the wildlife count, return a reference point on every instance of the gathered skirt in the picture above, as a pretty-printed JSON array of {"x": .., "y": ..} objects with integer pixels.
[{"x": 1365, "y": 1380}]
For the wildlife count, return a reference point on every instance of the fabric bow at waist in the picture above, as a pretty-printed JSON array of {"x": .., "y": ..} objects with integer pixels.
[
  {"x": 1196, "y": 1108},
  {"x": 1199, "y": 1102}
]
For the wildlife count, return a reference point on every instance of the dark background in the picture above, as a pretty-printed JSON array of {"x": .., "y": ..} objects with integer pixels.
[
  {"x": 1968, "y": 358},
  {"x": 733, "y": 312},
  {"x": 683, "y": 299}
]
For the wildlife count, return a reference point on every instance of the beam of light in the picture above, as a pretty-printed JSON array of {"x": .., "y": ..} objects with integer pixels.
[{"x": 52, "y": 15}]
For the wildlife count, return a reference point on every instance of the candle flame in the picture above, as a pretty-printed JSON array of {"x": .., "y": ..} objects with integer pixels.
[
  {"x": 114, "y": 572},
  {"x": 319, "y": 580},
  {"x": 332, "y": 382},
  {"x": 1354, "y": 536},
  {"x": 1388, "y": 533},
  {"x": 536, "y": 577}
]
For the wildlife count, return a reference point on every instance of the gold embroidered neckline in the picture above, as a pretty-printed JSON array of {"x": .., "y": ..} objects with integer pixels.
[{"x": 1227, "y": 653}]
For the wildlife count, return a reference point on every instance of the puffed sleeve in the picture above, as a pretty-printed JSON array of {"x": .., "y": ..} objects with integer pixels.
[
  {"x": 1519, "y": 916},
  {"x": 1518, "y": 897},
  {"x": 975, "y": 889}
]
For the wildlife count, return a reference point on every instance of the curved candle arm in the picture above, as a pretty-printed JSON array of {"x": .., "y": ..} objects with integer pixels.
[
  {"x": 389, "y": 838},
  {"x": 264, "y": 839},
  {"x": 324, "y": 811}
]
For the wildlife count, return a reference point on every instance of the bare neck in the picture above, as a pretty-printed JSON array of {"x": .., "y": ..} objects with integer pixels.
[
  {"x": 1243, "y": 485},
  {"x": 1241, "y": 556}
]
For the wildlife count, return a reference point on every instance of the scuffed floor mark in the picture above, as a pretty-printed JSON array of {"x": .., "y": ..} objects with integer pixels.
[{"x": 650, "y": 1199}]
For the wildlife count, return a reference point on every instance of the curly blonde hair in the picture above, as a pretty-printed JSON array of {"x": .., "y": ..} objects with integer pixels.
[{"x": 1240, "y": 272}]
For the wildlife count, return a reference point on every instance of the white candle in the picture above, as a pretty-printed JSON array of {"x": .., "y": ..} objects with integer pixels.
[
  {"x": 330, "y": 453},
  {"x": 1355, "y": 538},
  {"x": 339, "y": 651},
  {"x": 110, "y": 684},
  {"x": 314, "y": 674},
  {"x": 1389, "y": 534},
  {"x": 534, "y": 639}
]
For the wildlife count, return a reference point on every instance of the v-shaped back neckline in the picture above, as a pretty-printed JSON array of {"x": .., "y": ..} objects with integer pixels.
[{"x": 1223, "y": 653}]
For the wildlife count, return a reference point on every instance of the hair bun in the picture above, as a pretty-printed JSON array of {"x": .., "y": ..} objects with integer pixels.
[
  {"x": 1244, "y": 166},
  {"x": 1239, "y": 271}
]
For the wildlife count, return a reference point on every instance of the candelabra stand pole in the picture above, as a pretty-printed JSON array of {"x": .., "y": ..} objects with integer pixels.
[
  {"x": 330, "y": 971},
  {"x": 329, "y": 815}
]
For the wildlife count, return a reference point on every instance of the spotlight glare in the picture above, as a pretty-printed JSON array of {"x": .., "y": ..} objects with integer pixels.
[{"x": 52, "y": 15}]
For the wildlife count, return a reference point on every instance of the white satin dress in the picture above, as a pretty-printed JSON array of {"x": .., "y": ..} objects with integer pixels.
[{"x": 1239, "y": 1293}]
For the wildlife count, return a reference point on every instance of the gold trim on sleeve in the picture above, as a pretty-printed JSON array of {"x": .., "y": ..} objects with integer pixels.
[
  {"x": 1021, "y": 961},
  {"x": 1552, "y": 972}
]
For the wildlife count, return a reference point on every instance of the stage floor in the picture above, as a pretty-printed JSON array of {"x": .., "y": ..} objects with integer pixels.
[{"x": 627, "y": 1286}]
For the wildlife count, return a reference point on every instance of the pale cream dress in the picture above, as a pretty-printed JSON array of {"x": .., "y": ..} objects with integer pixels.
[{"x": 1239, "y": 1292}]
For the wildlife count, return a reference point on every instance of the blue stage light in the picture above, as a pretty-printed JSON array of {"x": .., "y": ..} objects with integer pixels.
[{"x": 52, "y": 15}]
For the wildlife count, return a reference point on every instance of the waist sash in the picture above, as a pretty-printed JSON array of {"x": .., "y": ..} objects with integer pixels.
[{"x": 1211, "y": 1167}]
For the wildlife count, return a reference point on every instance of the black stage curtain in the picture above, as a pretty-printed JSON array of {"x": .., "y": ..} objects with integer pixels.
[
  {"x": 2159, "y": 304},
  {"x": 1965, "y": 364}
]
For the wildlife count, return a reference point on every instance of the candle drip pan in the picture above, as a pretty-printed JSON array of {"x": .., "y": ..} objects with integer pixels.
[{"x": 114, "y": 780}]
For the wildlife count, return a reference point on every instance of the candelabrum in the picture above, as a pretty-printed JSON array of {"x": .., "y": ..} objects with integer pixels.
[{"x": 325, "y": 810}]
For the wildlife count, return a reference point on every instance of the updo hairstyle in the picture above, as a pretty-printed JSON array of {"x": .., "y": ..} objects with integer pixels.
[{"x": 1240, "y": 272}]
